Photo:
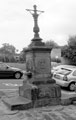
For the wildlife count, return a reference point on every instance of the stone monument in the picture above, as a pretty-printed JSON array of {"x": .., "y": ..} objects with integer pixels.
[{"x": 40, "y": 89}]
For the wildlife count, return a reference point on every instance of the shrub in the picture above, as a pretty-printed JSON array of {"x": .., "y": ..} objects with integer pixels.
[{"x": 58, "y": 60}]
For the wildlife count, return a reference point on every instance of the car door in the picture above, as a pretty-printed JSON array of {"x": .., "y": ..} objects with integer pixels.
[{"x": 5, "y": 71}]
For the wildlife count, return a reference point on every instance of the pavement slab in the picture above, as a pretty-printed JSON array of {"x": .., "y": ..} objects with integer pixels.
[
  {"x": 57, "y": 112},
  {"x": 44, "y": 113}
]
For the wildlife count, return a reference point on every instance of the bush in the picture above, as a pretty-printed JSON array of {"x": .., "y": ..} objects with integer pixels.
[
  {"x": 58, "y": 60},
  {"x": 69, "y": 51}
]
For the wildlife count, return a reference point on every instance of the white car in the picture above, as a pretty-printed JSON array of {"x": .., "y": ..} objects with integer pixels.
[
  {"x": 57, "y": 68},
  {"x": 66, "y": 76}
]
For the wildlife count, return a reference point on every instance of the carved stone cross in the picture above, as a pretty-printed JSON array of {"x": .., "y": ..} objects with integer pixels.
[{"x": 35, "y": 13}]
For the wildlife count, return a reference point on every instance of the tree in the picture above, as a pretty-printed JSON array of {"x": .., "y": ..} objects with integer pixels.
[
  {"x": 52, "y": 44},
  {"x": 7, "y": 49},
  {"x": 72, "y": 42},
  {"x": 7, "y": 53},
  {"x": 23, "y": 55},
  {"x": 69, "y": 51}
]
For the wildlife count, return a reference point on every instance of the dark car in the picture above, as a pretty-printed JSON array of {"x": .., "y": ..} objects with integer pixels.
[{"x": 10, "y": 72}]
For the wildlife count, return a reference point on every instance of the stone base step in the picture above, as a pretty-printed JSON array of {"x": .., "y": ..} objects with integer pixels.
[
  {"x": 47, "y": 102},
  {"x": 21, "y": 103},
  {"x": 67, "y": 97},
  {"x": 18, "y": 103}
]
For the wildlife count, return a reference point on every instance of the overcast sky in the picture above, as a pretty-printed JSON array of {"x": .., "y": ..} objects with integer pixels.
[{"x": 56, "y": 23}]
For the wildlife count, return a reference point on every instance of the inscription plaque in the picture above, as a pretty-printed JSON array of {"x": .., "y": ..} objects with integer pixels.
[{"x": 42, "y": 63}]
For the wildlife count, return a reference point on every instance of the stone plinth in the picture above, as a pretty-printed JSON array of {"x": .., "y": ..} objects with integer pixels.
[
  {"x": 41, "y": 91},
  {"x": 41, "y": 95},
  {"x": 49, "y": 91},
  {"x": 49, "y": 94},
  {"x": 47, "y": 102},
  {"x": 28, "y": 91},
  {"x": 38, "y": 62}
]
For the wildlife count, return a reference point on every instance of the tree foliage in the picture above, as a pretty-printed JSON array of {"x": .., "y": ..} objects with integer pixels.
[
  {"x": 69, "y": 51},
  {"x": 23, "y": 55},
  {"x": 7, "y": 53},
  {"x": 7, "y": 49},
  {"x": 52, "y": 44},
  {"x": 72, "y": 42}
]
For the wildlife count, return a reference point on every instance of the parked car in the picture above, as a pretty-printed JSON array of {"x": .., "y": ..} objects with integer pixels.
[
  {"x": 65, "y": 76},
  {"x": 10, "y": 72},
  {"x": 57, "y": 68}
]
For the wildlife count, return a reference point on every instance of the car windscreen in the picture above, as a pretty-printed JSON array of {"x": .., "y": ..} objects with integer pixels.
[{"x": 64, "y": 71}]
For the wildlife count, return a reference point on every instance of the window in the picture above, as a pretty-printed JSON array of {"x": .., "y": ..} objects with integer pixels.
[
  {"x": 74, "y": 73},
  {"x": 65, "y": 71}
]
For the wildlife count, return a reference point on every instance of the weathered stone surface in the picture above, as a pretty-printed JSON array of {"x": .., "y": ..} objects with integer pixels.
[
  {"x": 67, "y": 97},
  {"x": 73, "y": 98},
  {"x": 42, "y": 62},
  {"x": 74, "y": 102},
  {"x": 28, "y": 91},
  {"x": 49, "y": 94},
  {"x": 47, "y": 102},
  {"x": 42, "y": 94},
  {"x": 66, "y": 101},
  {"x": 43, "y": 80},
  {"x": 49, "y": 91},
  {"x": 18, "y": 103},
  {"x": 38, "y": 63},
  {"x": 41, "y": 91}
]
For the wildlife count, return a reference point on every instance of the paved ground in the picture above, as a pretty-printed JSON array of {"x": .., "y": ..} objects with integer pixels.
[
  {"x": 9, "y": 88},
  {"x": 44, "y": 113},
  {"x": 10, "y": 83}
]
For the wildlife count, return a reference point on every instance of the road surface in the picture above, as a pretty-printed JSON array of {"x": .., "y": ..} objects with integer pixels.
[
  {"x": 13, "y": 84},
  {"x": 10, "y": 83}
]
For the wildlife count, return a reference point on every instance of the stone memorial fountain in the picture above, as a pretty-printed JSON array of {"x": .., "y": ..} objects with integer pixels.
[{"x": 39, "y": 89}]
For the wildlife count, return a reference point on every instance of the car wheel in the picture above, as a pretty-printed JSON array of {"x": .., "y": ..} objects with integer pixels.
[
  {"x": 17, "y": 75},
  {"x": 72, "y": 86}
]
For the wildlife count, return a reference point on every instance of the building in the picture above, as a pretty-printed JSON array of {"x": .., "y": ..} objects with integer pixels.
[{"x": 56, "y": 53}]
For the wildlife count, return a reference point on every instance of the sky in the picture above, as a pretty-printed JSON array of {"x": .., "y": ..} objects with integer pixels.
[{"x": 57, "y": 23}]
